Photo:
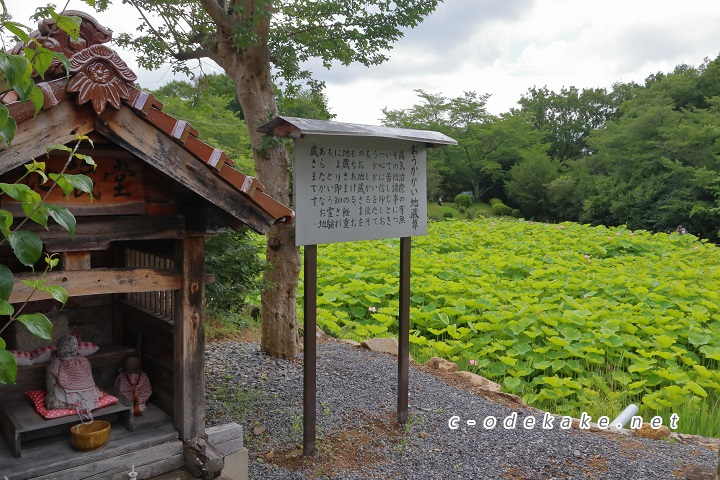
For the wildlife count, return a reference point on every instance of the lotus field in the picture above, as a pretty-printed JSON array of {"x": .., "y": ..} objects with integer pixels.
[{"x": 572, "y": 318}]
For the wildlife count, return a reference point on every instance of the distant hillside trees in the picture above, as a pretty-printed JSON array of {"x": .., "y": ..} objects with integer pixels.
[
  {"x": 642, "y": 155},
  {"x": 488, "y": 145}
]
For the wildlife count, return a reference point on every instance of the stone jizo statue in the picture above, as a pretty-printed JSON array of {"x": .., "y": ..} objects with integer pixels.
[{"x": 69, "y": 380}]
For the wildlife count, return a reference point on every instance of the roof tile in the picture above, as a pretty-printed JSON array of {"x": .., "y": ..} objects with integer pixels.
[{"x": 99, "y": 76}]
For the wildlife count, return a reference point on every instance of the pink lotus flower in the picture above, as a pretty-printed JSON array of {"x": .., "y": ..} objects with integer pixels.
[
  {"x": 372, "y": 309},
  {"x": 472, "y": 362}
]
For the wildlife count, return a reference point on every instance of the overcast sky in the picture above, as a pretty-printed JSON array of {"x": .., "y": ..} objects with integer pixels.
[{"x": 500, "y": 47}]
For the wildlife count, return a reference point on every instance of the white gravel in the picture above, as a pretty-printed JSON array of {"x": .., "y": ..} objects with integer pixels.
[{"x": 355, "y": 384}]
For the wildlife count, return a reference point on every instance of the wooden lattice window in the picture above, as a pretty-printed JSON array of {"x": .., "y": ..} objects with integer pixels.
[{"x": 159, "y": 303}]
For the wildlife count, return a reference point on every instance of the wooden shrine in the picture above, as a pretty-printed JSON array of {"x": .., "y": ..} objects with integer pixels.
[{"x": 134, "y": 270}]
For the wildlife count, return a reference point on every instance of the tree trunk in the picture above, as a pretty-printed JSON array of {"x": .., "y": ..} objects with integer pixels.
[
  {"x": 249, "y": 68},
  {"x": 476, "y": 189}
]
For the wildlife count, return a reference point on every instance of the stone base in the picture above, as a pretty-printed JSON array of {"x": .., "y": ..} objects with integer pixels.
[
  {"x": 236, "y": 465},
  {"x": 228, "y": 439}
]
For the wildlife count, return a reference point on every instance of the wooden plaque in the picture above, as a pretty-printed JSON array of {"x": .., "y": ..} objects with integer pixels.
[{"x": 117, "y": 187}]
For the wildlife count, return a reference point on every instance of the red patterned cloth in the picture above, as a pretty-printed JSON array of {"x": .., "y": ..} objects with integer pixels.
[
  {"x": 75, "y": 385},
  {"x": 37, "y": 397},
  {"x": 129, "y": 383},
  {"x": 75, "y": 374}
]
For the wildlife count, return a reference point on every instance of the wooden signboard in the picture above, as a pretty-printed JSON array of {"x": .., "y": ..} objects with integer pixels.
[
  {"x": 117, "y": 187},
  {"x": 353, "y": 188}
]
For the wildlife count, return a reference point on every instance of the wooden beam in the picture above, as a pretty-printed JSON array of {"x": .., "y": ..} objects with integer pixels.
[
  {"x": 128, "y": 130},
  {"x": 98, "y": 281},
  {"x": 189, "y": 345},
  {"x": 58, "y": 125},
  {"x": 101, "y": 230}
]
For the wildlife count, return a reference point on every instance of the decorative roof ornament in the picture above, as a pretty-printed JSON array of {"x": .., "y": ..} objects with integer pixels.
[
  {"x": 53, "y": 38},
  {"x": 100, "y": 75}
]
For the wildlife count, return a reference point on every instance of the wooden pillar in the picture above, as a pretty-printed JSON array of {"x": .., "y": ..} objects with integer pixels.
[
  {"x": 404, "y": 332},
  {"x": 189, "y": 341},
  {"x": 75, "y": 261},
  {"x": 310, "y": 351}
]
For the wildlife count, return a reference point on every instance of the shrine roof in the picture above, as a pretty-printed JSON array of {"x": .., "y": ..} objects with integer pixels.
[
  {"x": 294, "y": 127},
  {"x": 99, "y": 78}
]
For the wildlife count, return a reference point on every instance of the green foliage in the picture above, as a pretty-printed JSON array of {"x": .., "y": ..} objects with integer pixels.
[
  {"x": 527, "y": 184},
  {"x": 501, "y": 209},
  {"x": 436, "y": 212},
  {"x": 640, "y": 155},
  {"x": 463, "y": 200},
  {"x": 567, "y": 118},
  {"x": 488, "y": 145},
  {"x": 560, "y": 314},
  {"x": 210, "y": 104},
  {"x": 16, "y": 75},
  {"x": 493, "y": 201},
  {"x": 516, "y": 213},
  {"x": 238, "y": 266},
  {"x": 212, "y": 111},
  {"x": 304, "y": 103},
  {"x": 447, "y": 215},
  {"x": 16, "y": 70},
  {"x": 347, "y": 31}
]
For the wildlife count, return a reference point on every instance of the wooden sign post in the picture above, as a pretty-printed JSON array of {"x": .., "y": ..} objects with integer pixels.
[{"x": 355, "y": 182}]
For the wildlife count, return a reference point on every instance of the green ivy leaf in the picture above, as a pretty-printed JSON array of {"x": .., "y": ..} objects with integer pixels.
[
  {"x": 38, "y": 324},
  {"x": 7, "y": 282},
  {"x": 8, "y": 367},
  {"x": 58, "y": 146},
  {"x": 698, "y": 339},
  {"x": 27, "y": 246},
  {"x": 13, "y": 67},
  {"x": 63, "y": 217},
  {"x": 64, "y": 61},
  {"x": 42, "y": 60},
  {"x": 37, "y": 98},
  {"x": 70, "y": 25},
  {"x": 61, "y": 182},
  {"x": 37, "y": 213},
  {"x": 16, "y": 191},
  {"x": 4, "y": 115},
  {"x": 512, "y": 383},
  {"x": 6, "y": 308},
  {"x": 8, "y": 130},
  {"x": 85, "y": 158},
  {"x": 37, "y": 167},
  {"x": 18, "y": 29},
  {"x": 6, "y": 220},
  {"x": 58, "y": 293},
  {"x": 25, "y": 88},
  {"x": 80, "y": 182}
]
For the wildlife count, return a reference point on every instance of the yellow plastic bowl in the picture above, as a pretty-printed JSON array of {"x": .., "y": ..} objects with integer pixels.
[{"x": 89, "y": 436}]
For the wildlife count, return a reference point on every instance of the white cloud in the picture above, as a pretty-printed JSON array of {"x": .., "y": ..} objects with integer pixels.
[{"x": 503, "y": 47}]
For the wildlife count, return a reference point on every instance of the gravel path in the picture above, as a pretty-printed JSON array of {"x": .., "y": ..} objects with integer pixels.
[{"x": 358, "y": 437}]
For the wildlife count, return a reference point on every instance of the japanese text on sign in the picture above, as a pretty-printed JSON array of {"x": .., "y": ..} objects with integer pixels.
[{"x": 351, "y": 188}]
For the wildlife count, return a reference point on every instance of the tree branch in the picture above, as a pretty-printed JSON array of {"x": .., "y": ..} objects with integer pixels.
[
  {"x": 151, "y": 27},
  {"x": 218, "y": 14},
  {"x": 193, "y": 54}
]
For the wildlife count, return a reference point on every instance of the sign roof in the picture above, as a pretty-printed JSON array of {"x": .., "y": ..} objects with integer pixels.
[{"x": 294, "y": 127}]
